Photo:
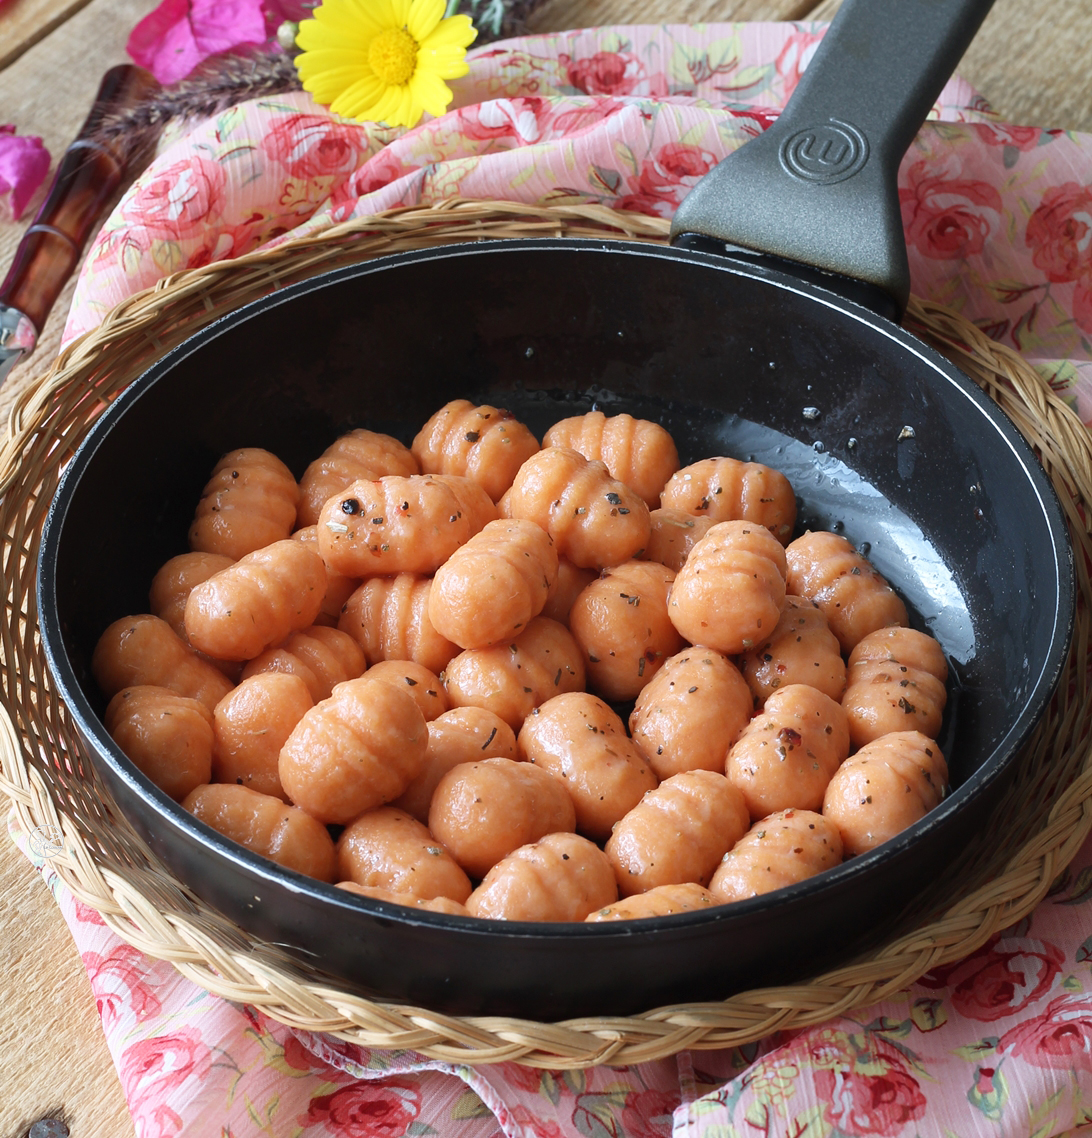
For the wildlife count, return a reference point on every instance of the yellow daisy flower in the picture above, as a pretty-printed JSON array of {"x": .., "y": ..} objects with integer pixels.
[{"x": 383, "y": 60}]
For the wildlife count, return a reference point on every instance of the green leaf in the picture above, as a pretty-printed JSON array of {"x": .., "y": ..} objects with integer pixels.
[
  {"x": 419, "y": 1129},
  {"x": 625, "y": 155},
  {"x": 929, "y": 1014},
  {"x": 576, "y": 1081},
  {"x": 977, "y": 1051},
  {"x": 596, "y": 1115},
  {"x": 694, "y": 135},
  {"x": 989, "y": 1093},
  {"x": 724, "y": 55},
  {"x": 1009, "y": 291},
  {"x": 468, "y": 1105},
  {"x": 550, "y": 1087},
  {"x": 592, "y": 1126},
  {"x": 758, "y": 1115},
  {"x": 1080, "y": 890},
  {"x": 749, "y": 80},
  {"x": 811, "y": 1124},
  {"x": 608, "y": 180},
  {"x": 890, "y": 1027}
]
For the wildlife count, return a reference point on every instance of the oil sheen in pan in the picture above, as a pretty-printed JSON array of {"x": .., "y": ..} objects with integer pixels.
[{"x": 831, "y": 495}]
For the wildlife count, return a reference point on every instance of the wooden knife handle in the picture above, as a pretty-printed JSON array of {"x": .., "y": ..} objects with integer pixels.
[{"x": 88, "y": 175}]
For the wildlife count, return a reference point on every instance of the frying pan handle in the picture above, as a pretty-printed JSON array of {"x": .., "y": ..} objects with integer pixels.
[{"x": 819, "y": 188}]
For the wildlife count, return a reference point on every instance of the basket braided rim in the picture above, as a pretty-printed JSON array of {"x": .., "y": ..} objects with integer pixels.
[{"x": 1048, "y": 813}]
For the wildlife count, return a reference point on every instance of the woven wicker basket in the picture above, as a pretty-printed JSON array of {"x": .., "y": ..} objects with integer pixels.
[{"x": 1045, "y": 817}]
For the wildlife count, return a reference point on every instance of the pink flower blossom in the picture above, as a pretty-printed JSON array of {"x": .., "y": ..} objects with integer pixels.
[
  {"x": 1001, "y": 979},
  {"x": 152, "y": 1069},
  {"x": 315, "y": 146},
  {"x": 1060, "y": 1038},
  {"x": 24, "y": 163},
  {"x": 648, "y": 1113},
  {"x": 604, "y": 73},
  {"x": 794, "y": 57},
  {"x": 178, "y": 35},
  {"x": 179, "y": 201},
  {"x": 119, "y": 986},
  {"x": 862, "y": 1104},
  {"x": 947, "y": 218},
  {"x": 1059, "y": 233},
  {"x": 366, "y": 1110}
]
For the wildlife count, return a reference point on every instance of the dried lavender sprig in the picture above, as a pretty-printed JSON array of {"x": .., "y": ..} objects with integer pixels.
[
  {"x": 226, "y": 80},
  {"x": 215, "y": 85}
]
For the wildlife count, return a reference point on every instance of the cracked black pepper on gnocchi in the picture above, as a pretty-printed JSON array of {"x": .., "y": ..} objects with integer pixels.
[{"x": 407, "y": 673}]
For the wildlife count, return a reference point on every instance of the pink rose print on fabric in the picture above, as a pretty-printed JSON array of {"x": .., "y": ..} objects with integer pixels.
[
  {"x": 85, "y": 914},
  {"x": 315, "y": 146},
  {"x": 1001, "y": 978},
  {"x": 178, "y": 202},
  {"x": 380, "y": 170},
  {"x": 24, "y": 163},
  {"x": 117, "y": 983},
  {"x": 532, "y": 1126},
  {"x": 604, "y": 73},
  {"x": 864, "y": 1104},
  {"x": 527, "y": 1078},
  {"x": 648, "y": 1114},
  {"x": 152, "y": 1069},
  {"x": 794, "y": 57},
  {"x": 366, "y": 1110},
  {"x": 946, "y": 218},
  {"x": 1082, "y": 304},
  {"x": 519, "y": 119},
  {"x": 1059, "y": 1039},
  {"x": 1006, "y": 134},
  {"x": 1059, "y": 232},
  {"x": 659, "y": 185}
]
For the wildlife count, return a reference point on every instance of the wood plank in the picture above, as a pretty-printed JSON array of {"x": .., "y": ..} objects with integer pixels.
[
  {"x": 23, "y": 23},
  {"x": 1029, "y": 61},
  {"x": 47, "y": 92},
  {"x": 1026, "y": 61},
  {"x": 559, "y": 15},
  {"x": 53, "y": 1057}
]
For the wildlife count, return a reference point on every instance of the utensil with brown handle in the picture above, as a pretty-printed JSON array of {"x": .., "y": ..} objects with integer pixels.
[{"x": 89, "y": 173}]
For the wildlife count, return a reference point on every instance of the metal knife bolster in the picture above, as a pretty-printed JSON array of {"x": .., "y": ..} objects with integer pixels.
[{"x": 18, "y": 337}]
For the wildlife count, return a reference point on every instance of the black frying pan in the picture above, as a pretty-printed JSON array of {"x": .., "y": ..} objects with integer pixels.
[{"x": 882, "y": 438}]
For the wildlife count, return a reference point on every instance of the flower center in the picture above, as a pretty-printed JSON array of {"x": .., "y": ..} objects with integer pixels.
[{"x": 392, "y": 55}]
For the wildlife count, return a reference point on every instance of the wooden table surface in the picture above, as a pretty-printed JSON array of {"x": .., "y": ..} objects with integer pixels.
[{"x": 1029, "y": 61}]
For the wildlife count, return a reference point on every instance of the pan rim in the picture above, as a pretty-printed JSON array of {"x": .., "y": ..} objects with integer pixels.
[{"x": 1004, "y": 752}]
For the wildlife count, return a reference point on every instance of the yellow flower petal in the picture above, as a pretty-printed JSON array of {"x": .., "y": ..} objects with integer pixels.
[
  {"x": 326, "y": 87},
  {"x": 431, "y": 92},
  {"x": 347, "y": 19},
  {"x": 400, "y": 10},
  {"x": 358, "y": 100},
  {"x": 446, "y": 62},
  {"x": 409, "y": 110},
  {"x": 386, "y": 106},
  {"x": 331, "y": 59},
  {"x": 348, "y": 63},
  {"x": 423, "y": 18},
  {"x": 456, "y": 31}
]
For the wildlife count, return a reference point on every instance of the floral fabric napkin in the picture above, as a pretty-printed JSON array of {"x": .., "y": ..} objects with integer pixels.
[
  {"x": 998, "y": 221},
  {"x": 998, "y": 218}
]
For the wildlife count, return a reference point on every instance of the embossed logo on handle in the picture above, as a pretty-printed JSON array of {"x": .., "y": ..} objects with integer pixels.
[{"x": 825, "y": 152}]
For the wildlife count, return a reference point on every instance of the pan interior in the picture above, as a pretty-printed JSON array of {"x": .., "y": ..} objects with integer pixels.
[{"x": 881, "y": 440}]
